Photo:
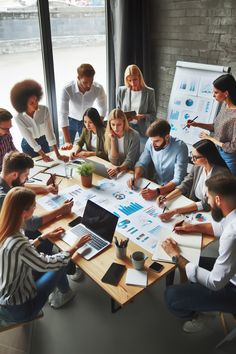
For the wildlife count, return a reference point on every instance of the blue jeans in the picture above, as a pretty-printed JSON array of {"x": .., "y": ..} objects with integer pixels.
[
  {"x": 75, "y": 126},
  {"x": 45, "y": 285},
  {"x": 185, "y": 300},
  {"x": 27, "y": 149},
  {"x": 230, "y": 160}
]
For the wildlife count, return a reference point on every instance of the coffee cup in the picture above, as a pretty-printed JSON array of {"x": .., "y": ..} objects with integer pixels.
[{"x": 138, "y": 259}]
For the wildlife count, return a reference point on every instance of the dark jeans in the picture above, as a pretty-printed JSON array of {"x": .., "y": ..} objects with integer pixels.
[
  {"x": 75, "y": 126},
  {"x": 185, "y": 300},
  {"x": 27, "y": 149},
  {"x": 45, "y": 285}
]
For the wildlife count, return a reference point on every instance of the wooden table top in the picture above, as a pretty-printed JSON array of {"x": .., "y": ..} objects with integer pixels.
[{"x": 97, "y": 266}]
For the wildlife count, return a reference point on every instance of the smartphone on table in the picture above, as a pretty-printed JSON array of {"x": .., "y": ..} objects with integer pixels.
[{"x": 157, "y": 267}]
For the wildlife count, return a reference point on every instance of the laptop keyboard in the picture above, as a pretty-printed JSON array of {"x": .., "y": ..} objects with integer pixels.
[{"x": 96, "y": 241}]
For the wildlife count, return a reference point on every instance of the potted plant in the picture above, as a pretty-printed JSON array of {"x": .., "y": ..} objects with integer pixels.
[{"x": 85, "y": 170}]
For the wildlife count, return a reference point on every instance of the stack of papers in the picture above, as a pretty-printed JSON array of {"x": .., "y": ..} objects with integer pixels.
[
  {"x": 46, "y": 164},
  {"x": 136, "y": 277}
]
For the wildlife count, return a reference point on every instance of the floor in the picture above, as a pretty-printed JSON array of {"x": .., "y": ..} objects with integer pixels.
[{"x": 86, "y": 326}]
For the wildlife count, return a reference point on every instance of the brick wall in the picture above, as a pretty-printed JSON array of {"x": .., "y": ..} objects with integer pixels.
[{"x": 202, "y": 31}]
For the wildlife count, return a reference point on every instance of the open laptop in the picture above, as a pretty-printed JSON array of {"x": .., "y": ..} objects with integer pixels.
[
  {"x": 99, "y": 223},
  {"x": 100, "y": 168}
]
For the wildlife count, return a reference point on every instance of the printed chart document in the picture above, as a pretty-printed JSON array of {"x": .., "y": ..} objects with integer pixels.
[
  {"x": 136, "y": 277},
  {"x": 190, "y": 246}
]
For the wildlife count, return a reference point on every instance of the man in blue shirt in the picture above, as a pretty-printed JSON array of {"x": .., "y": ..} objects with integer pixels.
[{"x": 169, "y": 156}]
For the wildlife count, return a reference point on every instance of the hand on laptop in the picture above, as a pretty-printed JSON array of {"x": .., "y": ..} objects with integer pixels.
[
  {"x": 113, "y": 171},
  {"x": 81, "y": 242}
]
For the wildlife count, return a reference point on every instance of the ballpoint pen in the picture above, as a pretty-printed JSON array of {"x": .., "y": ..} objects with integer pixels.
[
  {"x": 180, "y": 223},
  {"x": 192, "y": 120},
  {"x": 147, "y": 185}
]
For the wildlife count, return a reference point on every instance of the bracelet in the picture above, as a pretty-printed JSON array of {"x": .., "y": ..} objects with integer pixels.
[{"x": 40, "y": 238}]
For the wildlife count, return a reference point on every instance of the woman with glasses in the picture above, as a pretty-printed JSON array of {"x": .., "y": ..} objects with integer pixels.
[
  {"x": 207, "y": 162},
  {"x": 21, "y": 297},
  {"x": 224, "y": 125},
  {"x": 34, "y": 121}
]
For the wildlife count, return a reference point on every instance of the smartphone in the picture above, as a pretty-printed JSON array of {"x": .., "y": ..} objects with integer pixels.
[
  {"x": 75, "y": 222},
  {"x": 157, "y": 267},
  {"x": 114, "y": 274}
]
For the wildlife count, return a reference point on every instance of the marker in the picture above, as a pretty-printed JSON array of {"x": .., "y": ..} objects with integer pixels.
[{"x": 192, "y": 120}]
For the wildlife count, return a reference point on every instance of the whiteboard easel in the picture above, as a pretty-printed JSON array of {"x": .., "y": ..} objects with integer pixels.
[{"x": 191, "y": 96}]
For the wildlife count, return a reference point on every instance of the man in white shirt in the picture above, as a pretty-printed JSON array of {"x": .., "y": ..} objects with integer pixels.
[
  {"x": 77, "y": 96},
  {"x": 213, "y": 282}
]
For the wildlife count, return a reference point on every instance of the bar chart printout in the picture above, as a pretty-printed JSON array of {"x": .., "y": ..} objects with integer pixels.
[{"x": 130, "y": 209}]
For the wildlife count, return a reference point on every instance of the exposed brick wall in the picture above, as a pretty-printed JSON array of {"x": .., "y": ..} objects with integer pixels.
[{"x": 202, "y": 31}]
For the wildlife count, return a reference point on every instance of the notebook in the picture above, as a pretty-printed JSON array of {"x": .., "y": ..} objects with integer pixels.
[
  {"x": 99, "y": 223},
  {"x": 136, "y": 277},
  {"x": 190, "y": 246}
]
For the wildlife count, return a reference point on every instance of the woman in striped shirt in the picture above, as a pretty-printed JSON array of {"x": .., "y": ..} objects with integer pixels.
[{"x": 21, "y": 298}]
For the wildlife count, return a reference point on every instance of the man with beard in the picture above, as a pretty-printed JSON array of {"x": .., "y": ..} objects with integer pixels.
[
  {"x": 15, "y": 172},
  {"x": 211, "y": 286},
  {"x": 169, "y": 156}
]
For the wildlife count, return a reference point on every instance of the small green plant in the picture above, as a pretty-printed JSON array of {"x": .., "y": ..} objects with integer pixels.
[{"x": 85, "y": 169}]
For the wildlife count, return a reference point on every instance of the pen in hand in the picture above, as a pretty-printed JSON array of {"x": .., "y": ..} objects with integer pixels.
[
  {"x": 147, "y": 185},
  {"x": 192, "y": 120},
  {"x": 180, "y": 223}
]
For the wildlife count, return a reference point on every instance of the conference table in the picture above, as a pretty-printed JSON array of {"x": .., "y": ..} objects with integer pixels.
[{"x": 96, "y": 267}]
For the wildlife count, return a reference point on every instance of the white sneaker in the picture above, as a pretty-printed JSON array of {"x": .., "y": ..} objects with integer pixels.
[
  {"x": 57, "y": 299},
  {"x": 78, "y": 274},
  {"x": 196, "y": 325}
]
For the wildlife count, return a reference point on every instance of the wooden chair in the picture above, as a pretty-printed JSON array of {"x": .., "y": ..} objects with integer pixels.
[
  {"x": 229, "y": 335},
  {"x": 11, "y": 325}
]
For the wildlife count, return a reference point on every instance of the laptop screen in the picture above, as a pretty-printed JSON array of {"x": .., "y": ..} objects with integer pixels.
[{"x": 99, "y": 220}]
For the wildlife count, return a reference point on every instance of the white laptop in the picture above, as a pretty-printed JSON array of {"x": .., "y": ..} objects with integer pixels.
[{"x": 99, "y": 223}]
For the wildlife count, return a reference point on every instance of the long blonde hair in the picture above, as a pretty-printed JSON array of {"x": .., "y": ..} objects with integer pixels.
[
  {"x": 134, "y": 70},
  {"x": 116, "y": 113},
  {"x": 17, "y": 200}
]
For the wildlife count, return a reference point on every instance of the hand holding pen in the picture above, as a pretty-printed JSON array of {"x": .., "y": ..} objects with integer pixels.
[{"x": 189, "y": 122}]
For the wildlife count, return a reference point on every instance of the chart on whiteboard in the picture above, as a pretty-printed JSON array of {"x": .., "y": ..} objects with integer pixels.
[{"x": 191, "y": 97}]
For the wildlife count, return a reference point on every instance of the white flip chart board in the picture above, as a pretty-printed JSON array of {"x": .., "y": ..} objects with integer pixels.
[{"x": 191, "y": 96}]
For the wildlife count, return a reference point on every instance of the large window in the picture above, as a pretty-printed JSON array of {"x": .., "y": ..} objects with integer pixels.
[{"x": 78, "y": 35}]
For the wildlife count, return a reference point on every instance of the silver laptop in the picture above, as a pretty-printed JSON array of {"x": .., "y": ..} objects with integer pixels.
[
  {"x": 99, "y": 223},
  {"x": 100, "y": 168}
]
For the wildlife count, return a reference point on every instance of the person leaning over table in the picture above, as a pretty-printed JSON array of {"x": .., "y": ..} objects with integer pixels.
[
  {"x": 93, "y": 136},
  {"x": 224, "y": 125},
  {"x": 137, "y": 96},
  {"x": 121, "y": 143},
  {"x": 34, "y": 121},
  {"x": 6, "y": 142},
  {"x": 211, "y": 286},
  {"x": 169, "y": 156},
  {"x": 77, "y": 96},
  {"x": 206, "y": 163},
  {"x": 15, "y": 172},
  {"x": 21, "y": 297}
]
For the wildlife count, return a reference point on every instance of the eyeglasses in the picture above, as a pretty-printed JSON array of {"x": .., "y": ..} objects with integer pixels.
[{"x": 195, "y": 157}]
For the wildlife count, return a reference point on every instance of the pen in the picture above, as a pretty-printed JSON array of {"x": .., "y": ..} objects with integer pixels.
[
  {"x": 165, "y": 207},
  {"x": 59, "y": 182},
  {"x": 180, "y": 223},
  {"x": 70, "y": 200},
  {"x": 132, "y": 182},
  {"x": 53, "y": 177},
  {"x": 192, "y": 120},
  {"x": 37, "y": 179},
  {"x": 147, "y": 185}
]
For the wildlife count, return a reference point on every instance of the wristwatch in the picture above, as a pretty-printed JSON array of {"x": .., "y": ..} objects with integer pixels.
[
  {"x": 158, "y": 191},
  {"x": 40, "y": 238},
  {"x": 175, "y": 259}
]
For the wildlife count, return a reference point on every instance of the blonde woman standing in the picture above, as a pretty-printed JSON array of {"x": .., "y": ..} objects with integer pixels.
[{"x": 136, "y": 96}]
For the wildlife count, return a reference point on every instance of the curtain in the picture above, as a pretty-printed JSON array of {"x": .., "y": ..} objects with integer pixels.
[{"x": 128, "y": 41}]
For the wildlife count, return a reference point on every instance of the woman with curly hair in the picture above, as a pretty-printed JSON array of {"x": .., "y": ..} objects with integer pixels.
[{"x": 34, "y": 121}]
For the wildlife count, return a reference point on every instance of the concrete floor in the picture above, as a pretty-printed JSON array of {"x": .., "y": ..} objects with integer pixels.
[{"x": 86, "y": 326}]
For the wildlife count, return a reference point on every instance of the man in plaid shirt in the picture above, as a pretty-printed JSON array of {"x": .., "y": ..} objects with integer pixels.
[{"x": 6, "y": 143}]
